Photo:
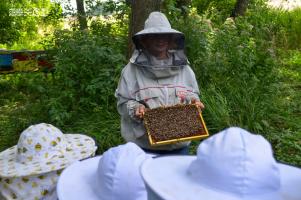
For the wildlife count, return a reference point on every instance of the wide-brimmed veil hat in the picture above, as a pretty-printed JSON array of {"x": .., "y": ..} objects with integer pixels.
[
  {"x": 113, "y": 176},
  {"x": 157, "y": 23},
  {"x": 231, "y": 165},
  {"x": 43, "y": 148}
]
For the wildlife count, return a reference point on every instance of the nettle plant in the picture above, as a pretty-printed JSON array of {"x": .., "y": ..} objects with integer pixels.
[
  {"x": 236, "y": 72},
  {"x": 87, "y": 72},
  {"x": 243, "y": 68}
]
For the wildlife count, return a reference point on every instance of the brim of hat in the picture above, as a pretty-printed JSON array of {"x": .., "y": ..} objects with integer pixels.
[
  {"x": 177, "y": 36},
  {"x": 166, "y": 178},
  {"x": 79, "y": 147},
  {"x": 77, "y": 181},
  {"x": 158, "y": 30}
]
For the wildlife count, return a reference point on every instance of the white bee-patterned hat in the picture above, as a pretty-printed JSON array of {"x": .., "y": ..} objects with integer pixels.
[{"x": 43, "y": 148}]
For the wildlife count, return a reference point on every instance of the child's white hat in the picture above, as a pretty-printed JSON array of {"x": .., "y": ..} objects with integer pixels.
[
  {"x": 231, "y": 165},
  {"x": 113, "y": 176}
]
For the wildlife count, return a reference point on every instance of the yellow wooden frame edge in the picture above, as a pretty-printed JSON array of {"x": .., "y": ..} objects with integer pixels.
[{"x": 180, "y": 139}]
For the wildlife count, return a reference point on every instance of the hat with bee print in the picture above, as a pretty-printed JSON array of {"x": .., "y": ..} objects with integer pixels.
[{"x": 43, "y": 148}]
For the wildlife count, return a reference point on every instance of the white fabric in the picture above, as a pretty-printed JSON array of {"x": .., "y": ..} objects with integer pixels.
[
  {"x": 146, "y": 81},
  {"x": 44, "y": 148},
  {"x": 231, "y": 165},
  {"x": 138, "y": 86},
  {"x": 114, "y": 176},
  {"x": 157, "y": 23},
  {"x": 78, "y": 180},
  {"x": 42, "y": 186},
  {"x": 251, "y": 157}
]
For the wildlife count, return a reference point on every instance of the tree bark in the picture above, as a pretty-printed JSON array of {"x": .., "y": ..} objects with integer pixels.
[
  {"x": 81, "y": 14},
  {"x": 240, "y": 8},
  {"x": 140, "y": 10}
]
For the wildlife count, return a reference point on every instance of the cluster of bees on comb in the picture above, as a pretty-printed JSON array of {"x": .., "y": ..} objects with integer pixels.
[{"x": 173, "y": 122}]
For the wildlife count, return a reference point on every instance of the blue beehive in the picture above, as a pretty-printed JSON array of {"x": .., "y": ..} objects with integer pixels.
[{"x": 5, "y": 60}]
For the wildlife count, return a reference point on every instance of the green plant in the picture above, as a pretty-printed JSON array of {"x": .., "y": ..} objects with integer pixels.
[
  {"x": 87, "y": 70},
  {"x": 248, "y": 70}
]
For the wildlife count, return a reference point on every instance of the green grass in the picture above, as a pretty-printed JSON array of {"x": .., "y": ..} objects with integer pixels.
[
  {"x": 23, "y": 101},
  {"x": 101, "y": 125},
  {"x": 20, "y": 106}
]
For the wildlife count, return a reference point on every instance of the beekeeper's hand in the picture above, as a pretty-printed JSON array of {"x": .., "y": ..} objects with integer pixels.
[
  {"x": 140, "y": 110},
  {"x": 198, "y": 103}
]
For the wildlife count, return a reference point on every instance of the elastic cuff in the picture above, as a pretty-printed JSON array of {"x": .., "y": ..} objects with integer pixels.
[{"x": 131, "y": 107}]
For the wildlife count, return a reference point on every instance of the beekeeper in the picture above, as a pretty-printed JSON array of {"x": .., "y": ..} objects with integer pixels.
[{"x": 158, "y": 74}]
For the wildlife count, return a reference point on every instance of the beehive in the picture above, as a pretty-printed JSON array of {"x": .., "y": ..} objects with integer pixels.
[
  {"x": 166, "y": 125},
  {"x": 5, "y": 60}
]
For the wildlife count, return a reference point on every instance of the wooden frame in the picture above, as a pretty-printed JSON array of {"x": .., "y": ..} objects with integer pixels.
[{"x": 147, "y": 124}]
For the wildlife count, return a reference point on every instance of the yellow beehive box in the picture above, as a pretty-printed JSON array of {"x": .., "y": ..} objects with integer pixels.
[{"x": 25, "y": 65}]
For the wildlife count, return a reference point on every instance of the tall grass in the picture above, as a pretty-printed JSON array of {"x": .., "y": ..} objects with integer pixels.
[
  {"x": 243, "y": 78},
  {"x": 248, "y": 74}
]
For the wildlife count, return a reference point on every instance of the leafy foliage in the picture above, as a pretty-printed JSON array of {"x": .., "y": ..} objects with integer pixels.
[
  {"x": 87, "y": 70},
  {"x": 22, "y": 22},
  {"x": 237, "y": 66},
  {"x": 248, "y": 71},
  {"x": 8, "y": 29},
  {"x": 215, "y": 10}
]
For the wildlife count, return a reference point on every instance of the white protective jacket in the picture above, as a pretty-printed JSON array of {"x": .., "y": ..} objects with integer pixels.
[{"x": 153, "y": 83}]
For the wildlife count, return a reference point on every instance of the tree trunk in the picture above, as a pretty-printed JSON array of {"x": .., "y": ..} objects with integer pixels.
[
  {"x": 140, "y": 10},
  {"x": 240, "y": 8},
  {"x": 81, "y": 13}
]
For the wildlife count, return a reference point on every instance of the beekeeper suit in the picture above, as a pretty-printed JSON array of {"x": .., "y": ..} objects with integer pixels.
[{"x": 151, "y": 82}]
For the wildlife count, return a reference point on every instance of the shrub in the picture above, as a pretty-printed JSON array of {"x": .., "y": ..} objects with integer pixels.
[{"x": 87, "y": 71}]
